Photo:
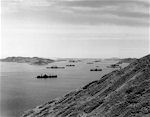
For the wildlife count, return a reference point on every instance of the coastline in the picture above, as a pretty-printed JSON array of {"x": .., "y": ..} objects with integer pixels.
[{"x": 104, "y": 96}]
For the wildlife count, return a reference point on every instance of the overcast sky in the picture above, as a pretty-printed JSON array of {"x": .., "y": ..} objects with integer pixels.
[{"x": 75, "y": 28}]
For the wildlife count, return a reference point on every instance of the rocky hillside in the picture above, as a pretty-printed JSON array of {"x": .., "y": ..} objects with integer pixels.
[
  {"x": 30, "y": 60},
  {"x": 121, "y": 93}
]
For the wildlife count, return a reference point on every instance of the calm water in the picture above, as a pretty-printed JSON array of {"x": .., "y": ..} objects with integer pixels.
[{"x": 20, "y": 90}]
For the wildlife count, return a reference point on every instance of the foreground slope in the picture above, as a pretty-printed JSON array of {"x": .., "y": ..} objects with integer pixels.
[{"x": 121, "y": 93}]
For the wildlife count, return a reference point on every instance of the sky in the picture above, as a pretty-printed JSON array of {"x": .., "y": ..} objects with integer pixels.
[{"x": 75, "y": 28}]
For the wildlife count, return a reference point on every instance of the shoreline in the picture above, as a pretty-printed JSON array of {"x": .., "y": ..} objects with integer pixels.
[{"x": 92, "y": 99}]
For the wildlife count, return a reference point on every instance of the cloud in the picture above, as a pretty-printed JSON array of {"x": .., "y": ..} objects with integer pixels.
[
  {"x": 91, "y": 12},
  {"x": 119, "y": 8},
  {"x": 99, "y": 3}
]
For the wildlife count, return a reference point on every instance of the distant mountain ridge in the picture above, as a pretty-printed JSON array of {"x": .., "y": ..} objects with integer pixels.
[
  {"x": 30, "y": 60},
  {"x": 121, "y": 93},
  {"x": 121, "y": 60},
  {"x": 126, "y": 60}
]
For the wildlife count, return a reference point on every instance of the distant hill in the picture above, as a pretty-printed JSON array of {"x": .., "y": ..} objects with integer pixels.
[
  {"x": 121, "y": 93},
  {"x": 30, "y": 60},
  {"x": 126, "y": 60},
  {"x": 121, "y": 60}
]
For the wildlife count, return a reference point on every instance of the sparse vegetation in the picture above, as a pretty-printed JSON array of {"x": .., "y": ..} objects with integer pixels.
[{"x": 121, "y": 93}]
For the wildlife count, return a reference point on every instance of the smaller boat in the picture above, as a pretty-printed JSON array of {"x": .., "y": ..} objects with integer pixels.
[
  {"x": 96, "y": 69},
  {"x": 72, "y": 61},
  {"x": 114, "y": 66},
  {"x": 46, "y": 76},
  {"x": 70, "y": 65},
  {"x": 97, "y": 61},
  {"x": 55, "y": 67}
]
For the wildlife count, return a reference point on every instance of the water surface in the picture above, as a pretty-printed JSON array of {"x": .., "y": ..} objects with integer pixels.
[{"x": 20, "y": 90}]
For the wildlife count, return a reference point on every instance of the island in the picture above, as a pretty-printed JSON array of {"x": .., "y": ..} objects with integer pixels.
[
  {"x": 46, "y": 76},
  {"x": 29, "y": 60},
  {"x": 121, "y": 93}
]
